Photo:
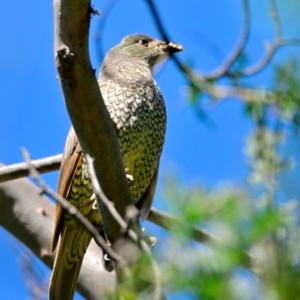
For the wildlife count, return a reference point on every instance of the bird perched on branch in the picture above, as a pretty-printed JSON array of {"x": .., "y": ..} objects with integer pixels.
[{"x": 137, "y": 109}]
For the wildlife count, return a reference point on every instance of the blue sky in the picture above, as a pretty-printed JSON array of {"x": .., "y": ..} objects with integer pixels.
[{"x": 33, "y": 113}]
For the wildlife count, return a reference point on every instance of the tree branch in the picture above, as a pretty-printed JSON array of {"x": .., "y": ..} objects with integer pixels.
[
  {"x": 198, "y": 79},
  {"x": 172, "y": 223},
  {"x": 157, "y": 217},
  {"x": 270, "y": 51},
  {"x": 44, "y": 165},
  {"x": 271, "y": 48},
  {"x": 224, "y": 69},
  {"x": 86, "y": 108}
]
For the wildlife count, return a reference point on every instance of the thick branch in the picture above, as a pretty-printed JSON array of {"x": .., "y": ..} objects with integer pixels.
[
  {"x": 91, "y": 121},
  {"x": 29, "y": 216}
]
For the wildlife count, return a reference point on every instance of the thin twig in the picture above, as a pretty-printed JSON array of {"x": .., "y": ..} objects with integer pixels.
[
  {"x": 100, "y": 194},
  {"x": 196, "y": 79},
  {"x": 224, "y": 69},
  {"x": 19, "y": 170},
  {"x": 271, "y": 48},
  {"x": 270, "y": 51},
  {"x": 110, "y": 205},
  {"x": 71, "y": 209}
]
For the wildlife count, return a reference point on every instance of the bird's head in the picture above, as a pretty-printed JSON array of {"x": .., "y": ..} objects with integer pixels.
[{"x": 145, "y": 48}]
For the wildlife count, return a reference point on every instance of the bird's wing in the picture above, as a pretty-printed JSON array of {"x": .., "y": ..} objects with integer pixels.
[
  {"x": 145, "y": 203},
  {"x": 71, "y": 157}
]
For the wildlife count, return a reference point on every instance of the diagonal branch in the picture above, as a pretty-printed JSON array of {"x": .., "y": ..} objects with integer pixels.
[
  {"x": 101, "y": 197},
  {"x": 90, "y": 118},
  {"x": 86, "y": 108}
]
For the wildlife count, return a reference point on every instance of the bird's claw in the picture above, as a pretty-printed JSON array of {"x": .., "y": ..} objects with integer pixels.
[
  {"x": 130, "y": 179},
  {"x": 150, "y": 240}
]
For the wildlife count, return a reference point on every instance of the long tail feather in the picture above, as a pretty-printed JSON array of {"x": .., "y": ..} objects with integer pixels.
[{"x": 67, "y": 264}]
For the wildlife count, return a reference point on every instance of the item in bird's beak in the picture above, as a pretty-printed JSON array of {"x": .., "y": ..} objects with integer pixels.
[{"x": 174, "y": 47}]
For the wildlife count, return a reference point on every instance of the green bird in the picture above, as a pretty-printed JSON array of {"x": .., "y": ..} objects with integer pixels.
[{"x": 137, "y": 109}]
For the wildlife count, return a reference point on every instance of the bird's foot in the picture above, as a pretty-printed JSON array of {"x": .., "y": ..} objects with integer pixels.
[
  {"x": 94, "y": 200},
  {"x": 150, "y": 240},
  {"x": 107, "y": 261},
  {"x": 129, "y": 177}
]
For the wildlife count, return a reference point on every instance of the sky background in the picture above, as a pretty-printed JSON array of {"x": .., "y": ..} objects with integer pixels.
[{"x": 33, "y": 114}]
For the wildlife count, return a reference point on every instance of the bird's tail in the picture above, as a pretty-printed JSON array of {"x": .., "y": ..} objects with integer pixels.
[{"x": 67, "y": 263}]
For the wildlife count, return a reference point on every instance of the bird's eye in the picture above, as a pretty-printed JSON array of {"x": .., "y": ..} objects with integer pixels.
[{"x": 144, "y": 43}]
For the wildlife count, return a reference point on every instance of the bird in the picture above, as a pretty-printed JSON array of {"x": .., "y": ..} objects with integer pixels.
[{"x": 137, "y": 109}]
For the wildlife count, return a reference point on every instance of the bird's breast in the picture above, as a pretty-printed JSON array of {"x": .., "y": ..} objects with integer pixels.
[{"x": 140, "y": 117}]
